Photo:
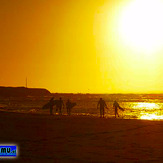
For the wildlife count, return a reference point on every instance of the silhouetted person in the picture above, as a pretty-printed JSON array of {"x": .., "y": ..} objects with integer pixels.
[
  {"x": 102, "y": 105},
  {"x": 68, "y": 106},
  {"x": 51, "y": 103},
  {"x": 116, "y": 106},
  {"x": 60, "y": 105}
]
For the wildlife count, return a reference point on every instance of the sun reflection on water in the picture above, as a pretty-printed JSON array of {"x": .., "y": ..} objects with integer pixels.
[
  {"x": 146, "y": 105},
  {"x": 151, "y": 117},
  {"x": 149, "y": 111}
]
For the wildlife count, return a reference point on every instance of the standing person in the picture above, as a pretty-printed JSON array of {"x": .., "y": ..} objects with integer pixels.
[
  {"x": 51, "y": 103},
  {"x": 116, "y": 106},
  {"x": 68, "y": 106},
  {"x": 102, "y": 104},
  {"x": 60, "y": 105}
]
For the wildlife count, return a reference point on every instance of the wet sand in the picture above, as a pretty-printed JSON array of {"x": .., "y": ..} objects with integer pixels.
[{"x": 44, "y": 138}]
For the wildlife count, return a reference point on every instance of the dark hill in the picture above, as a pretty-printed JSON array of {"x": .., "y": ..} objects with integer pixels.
[{"x": 22, "y": 91}]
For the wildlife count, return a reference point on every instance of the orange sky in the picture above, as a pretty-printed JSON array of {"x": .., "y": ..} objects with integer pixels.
[{"x": 73, "y": 46}]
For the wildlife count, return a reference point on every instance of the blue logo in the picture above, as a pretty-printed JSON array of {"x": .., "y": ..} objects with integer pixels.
[{"x": 8, "y": 151}]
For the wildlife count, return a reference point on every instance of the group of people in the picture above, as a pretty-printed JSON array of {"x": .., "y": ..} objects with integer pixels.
[
  {"x": 69, "y": 105},
  {"x": 102, "y": 105},
  {"x": 59, "y": 106}
]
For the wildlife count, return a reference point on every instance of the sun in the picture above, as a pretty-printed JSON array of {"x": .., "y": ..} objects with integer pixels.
[{"x": 141, "y": 25}]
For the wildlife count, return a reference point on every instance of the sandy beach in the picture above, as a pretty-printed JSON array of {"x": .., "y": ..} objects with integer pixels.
[{"x": 44, "y": 138}]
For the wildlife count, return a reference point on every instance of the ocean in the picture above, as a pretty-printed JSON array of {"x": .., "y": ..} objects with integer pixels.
[{"x": 136, "y": 106}]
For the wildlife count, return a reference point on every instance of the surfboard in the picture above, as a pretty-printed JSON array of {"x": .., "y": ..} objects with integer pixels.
[
  {"x": 72, "y": 105},
  {"x": 46, "y": 106},
  {"x": 121, "y": 108}
]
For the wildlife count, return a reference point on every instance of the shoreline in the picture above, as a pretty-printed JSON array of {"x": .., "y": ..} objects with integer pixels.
[
  {"x": 77, "y": 115},
  {"x": 82, "y": 138}
]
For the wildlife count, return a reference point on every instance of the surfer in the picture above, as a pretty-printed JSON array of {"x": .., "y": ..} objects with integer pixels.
[
  {"x": 116, "y": 106},
  {"x": 60, "y": 105},
  {"x": 102, "y": 104},
  {"x": 68, "y": 103},
  {"x": 69, "y": 106},
  {"x": 51, "y": 105}
]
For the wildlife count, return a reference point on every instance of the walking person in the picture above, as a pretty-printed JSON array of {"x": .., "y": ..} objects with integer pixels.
[
  {"x": 51, "y": 103},
  {"x": 60, "y": 105},
  {"x": 68, "y": 106},
  {"x": 116, "y": 106},
  {"x": 102, "y": 105}
]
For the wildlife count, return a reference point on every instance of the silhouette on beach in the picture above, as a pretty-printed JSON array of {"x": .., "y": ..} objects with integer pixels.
[
  {"x": 69, "y": 106},
  {"x": 50, "y": 105},
  {"x": 59, "y": 105},
  {"x": 102, "y": 105},
  {"x": 116, "y": 106}
]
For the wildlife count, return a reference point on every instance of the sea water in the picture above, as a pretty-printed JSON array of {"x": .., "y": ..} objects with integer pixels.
[{"x": 136, "y": 106}]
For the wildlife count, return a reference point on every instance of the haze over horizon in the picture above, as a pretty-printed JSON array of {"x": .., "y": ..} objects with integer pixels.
[{"x": 82, "y": 46}]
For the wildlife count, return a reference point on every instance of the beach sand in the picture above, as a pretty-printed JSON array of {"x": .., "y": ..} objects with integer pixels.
[{"x": 45, "y": 138}]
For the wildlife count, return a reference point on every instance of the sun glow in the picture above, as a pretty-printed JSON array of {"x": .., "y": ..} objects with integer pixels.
[
  {"x": 146, "y": 105},
  {"x": 150, "y": 111},
  {"x": 151, "y": 117},
  {"x": 141, "y": 25}
]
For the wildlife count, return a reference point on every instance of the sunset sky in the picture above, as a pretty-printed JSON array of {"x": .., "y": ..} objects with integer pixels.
[{"x": 82, "y": 46}]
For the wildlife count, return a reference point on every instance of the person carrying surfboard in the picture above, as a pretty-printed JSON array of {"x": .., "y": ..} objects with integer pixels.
[
  {"x": 49, "y": 105},
  {"x": 102, "y": 105},
  {"x": 60, "y": 105},
  {"x": 69, "y": 106},
  {"x": 116, "y": 106}
]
